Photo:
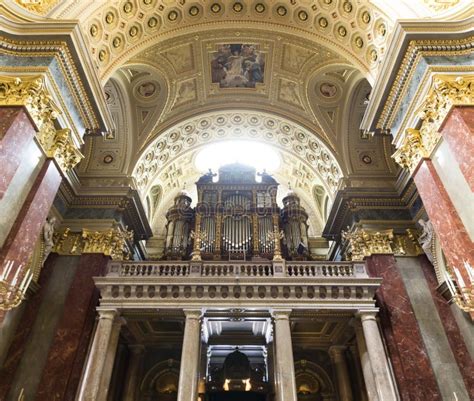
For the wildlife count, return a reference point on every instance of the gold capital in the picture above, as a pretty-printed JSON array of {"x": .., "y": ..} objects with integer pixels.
[
  {"x": 31, "y": 92},
  {"x": 446, "y": 91},
  {"x": 363, "y": 243}
]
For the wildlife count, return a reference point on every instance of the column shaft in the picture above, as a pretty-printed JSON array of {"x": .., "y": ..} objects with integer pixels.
[
  {"x": 16, "y": 132},
  {"x": 136, "y": 357},
  {"x": 365, "y": 363},
  {"x": 383, "y": 379},
  {"x": 109, "y": 360},
  {"x": 95, "y": 364},
  {"x": 189, "y": 369},
  {"x": 285, "y": 368},
  {"x": 342, "y": 373}
]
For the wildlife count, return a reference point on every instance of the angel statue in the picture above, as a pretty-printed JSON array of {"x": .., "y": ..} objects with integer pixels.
[
  {"x": 48, "y": 237},
  {"x": 426, "y": 238}
]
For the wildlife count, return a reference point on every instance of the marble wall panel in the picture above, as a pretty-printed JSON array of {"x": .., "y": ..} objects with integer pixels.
[
  {"x": 16, "y": 132},
  {"x": 454, "y": 239},
  {"x": 24, "y": 234},
  {"x": 457, "y": 341},
  {"x": 29, "y": 350},
  {"x": 19, "y": 188},
  {"x": 413, "y": 372},
  {"x": 458, "y": 131},
  {"x": 66, "y": 356},
  {"x": 445, "y": 367}
]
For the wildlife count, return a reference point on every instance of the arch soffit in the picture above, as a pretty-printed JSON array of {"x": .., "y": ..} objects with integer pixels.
[{"x": 288, "y": 137}]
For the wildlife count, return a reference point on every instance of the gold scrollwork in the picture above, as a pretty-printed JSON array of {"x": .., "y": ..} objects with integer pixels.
[
  {"x": 31, "y": 93},
  {"x": 112, "y": 242},
  {"x": 363, "y": 243},
  {"x": 446, "y": 91},
  {"x": 41, "y": 7}
]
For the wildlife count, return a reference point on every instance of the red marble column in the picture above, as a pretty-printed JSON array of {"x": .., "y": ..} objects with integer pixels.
[
  {"x": 454, "y": 239},
  {"x": 22, "y": 238},
  {"x": 455, "y": 339},
  {"x": 413, "y": 372},
  {"x": 63, "y": 368},
  {"x": 16, "y": 132},
  {"x": 458, "y": 130},
  {"x": 17, "y": 347}
]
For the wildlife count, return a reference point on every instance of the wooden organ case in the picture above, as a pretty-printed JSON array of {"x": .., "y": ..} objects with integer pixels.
[{"x": 236, "y": 218}]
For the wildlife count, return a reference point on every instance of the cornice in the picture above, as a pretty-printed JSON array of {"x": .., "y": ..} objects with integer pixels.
[
  {"x": 64, "y": 41},
  {"x": 128, "y": 204},
  {"x": 410, "y": 41}
]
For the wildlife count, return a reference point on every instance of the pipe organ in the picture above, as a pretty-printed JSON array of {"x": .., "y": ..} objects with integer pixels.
[{"x": 236, "y": 217}]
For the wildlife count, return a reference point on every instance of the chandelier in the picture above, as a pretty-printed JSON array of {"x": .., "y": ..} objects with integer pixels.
[{"x": 13, "y": 293}]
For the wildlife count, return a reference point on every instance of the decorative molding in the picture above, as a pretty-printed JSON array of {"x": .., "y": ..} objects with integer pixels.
[
  {"x": 446, "y": 91},
  {"x": 363, "y": 243},
  {"x": 113, "y": 242},
  {"x": 31, "y": 92},
  {"x": 41, "y": 7}
]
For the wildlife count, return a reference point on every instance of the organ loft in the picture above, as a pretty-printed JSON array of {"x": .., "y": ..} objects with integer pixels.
[
  {"x": 236, "y": 218},
  {"x": 236, "y": 200}
]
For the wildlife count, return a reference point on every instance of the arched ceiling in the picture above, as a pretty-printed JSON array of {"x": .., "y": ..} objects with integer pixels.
[{"x": 170, "y": 157}]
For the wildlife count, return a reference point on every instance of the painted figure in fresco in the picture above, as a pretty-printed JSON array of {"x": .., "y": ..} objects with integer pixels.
[{"x": 237, "y": 66}]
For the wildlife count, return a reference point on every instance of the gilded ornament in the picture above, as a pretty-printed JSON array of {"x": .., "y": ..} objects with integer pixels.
[
  {"x": 173, "y": 15},
  {"x": 260, "y": 8},
  {"x": 281, "y": 11},
  {"x": 31, "y": 93},
  {"x": 366, "y": 17},
  {"x": 342, "y": 31},
  {"x": 440, "y": 5},
  {"x": 323, "y": 22},
  {"x": 116, "y": 42},
  {"x": 193, "y": 11},
  {"x": 41, "y": 7},
  {"x": 347, "y": 6},
  {"x": 127, "y": 7},
  {"x": 381, "y": 29},
  {"x": 446, "y": 91},
  {"x": 373, "y": 56},
  {"x": 362, "y": 243},
  {"x": 303, "y": 15},
  {"x": 238, "y": 7},
  {"x": 359, "y": 42},
  {"x": 133, "y": 31},
  {"x": 112, "y": 242},
  {"x": 94, "y": 30},
  {"x": 152, "y": 22},
  {"x": 216, "y": 8},
  {"x": 109, "y": 17},
  {"x": 102, "y": 55}
]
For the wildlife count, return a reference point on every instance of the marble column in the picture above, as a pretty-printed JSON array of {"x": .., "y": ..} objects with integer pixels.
[
  {"x": 24, "y": 234},
  {"x": 110, "y": 359},
  {"x": 93, "y": 373},
  {"x": 189, "y": 368},
  {"x": 285, "y": 387},
  {"x": 16, "y": 132},
  {"x": 365, "y": 363},
  {"x": 136, "y": 358},
  {"x": 342, "y": 373},
  {"x": 385, "y": 386}
]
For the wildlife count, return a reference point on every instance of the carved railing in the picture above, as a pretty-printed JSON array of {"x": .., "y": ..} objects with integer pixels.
[
  {"x": 236, "y": 269},
  {"x": 164, "y": 284}
]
